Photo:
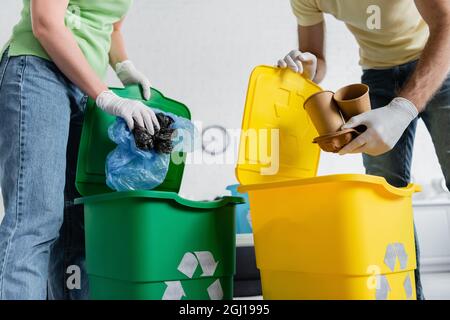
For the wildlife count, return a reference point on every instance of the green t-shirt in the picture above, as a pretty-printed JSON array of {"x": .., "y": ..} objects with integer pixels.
[{"x": 91, "y": 22}]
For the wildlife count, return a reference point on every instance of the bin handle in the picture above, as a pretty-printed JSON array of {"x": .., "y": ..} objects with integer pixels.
[
  {"x": 405, "y": 191},
  {"x": 413, "y": 187}
]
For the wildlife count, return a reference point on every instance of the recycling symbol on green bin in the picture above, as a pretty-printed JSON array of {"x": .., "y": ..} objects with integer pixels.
[
  {"x": 188, "y": 265},
  {"x": 394, "y": 251}
]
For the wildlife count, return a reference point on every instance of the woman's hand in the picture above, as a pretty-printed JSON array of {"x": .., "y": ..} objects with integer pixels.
[
  {"x": 130, "y": 110},
  {"x": 128, "y": 74}
]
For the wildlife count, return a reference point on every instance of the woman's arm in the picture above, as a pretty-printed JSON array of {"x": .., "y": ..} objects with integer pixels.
[
  {"x": 50, "y": 30},
  {"x": 118, "y": 52},
  {"x": 125, "y": 69}
]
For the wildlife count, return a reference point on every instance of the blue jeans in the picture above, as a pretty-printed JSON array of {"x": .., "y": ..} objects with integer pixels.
[
  {"x": 395, "y": 165},
  {"x": 42, "y": 232}
]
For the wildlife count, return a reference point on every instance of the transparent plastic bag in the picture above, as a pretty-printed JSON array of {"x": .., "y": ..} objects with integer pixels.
[{"x": 130, "y": 168}]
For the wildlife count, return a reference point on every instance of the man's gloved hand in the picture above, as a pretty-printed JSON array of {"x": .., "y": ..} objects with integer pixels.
[
  {"x": 301, "y": 62},
  {"x": 128, "y": 74},
  {"x": 385, "y": 127},
  {"x": 129, "y": 110}
]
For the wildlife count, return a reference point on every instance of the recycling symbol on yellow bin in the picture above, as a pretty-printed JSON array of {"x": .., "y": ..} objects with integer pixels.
[
  {"x": 394, "y": 252},
  {"x": 188, "y": 265}
]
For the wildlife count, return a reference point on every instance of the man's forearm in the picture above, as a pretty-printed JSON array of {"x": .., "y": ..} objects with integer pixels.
[
  {"x": 312, "y": 39},
  {"x": 431, "y": 70},
  {"x": 434, "y": 64},
  {"x": 321, "y": 70}
]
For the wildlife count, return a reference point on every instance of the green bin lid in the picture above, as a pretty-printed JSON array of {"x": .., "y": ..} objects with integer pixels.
[{"x": 95, "y": 144}]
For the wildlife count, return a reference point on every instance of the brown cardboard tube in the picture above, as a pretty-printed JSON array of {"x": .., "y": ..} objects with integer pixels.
[{"x": 324, "y": 112}]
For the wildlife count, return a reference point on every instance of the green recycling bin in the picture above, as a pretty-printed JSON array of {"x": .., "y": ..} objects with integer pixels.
[
  {"x": 151, "y": 245},
  {"x": 157, "y": 245}
]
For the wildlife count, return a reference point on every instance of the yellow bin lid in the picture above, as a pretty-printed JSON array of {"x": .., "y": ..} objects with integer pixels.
[{"x": 277, "y": 134}]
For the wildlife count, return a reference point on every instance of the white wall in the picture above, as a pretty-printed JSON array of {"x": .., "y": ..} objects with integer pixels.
[{"x": 201, "y": 52}]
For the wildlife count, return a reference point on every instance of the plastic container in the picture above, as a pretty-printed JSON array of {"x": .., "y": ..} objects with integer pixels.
[
  {"x": 353, "y": 99},
  {"x": 247, "y": 280},
  {"x": 324, "y": 112},
  {"x": 277, "y": 134},
  {"x": 334, "y": 237},
  {"x": 157, "y": 245},
  {"x": 243, "y": 218},
  {"x": 151, "y": 244},
  {"x": 95, "y": 143}
]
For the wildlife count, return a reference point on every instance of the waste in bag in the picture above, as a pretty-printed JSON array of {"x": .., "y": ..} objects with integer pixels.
[
  {"x": 161, "y": 141},
  {"x": 134, "y": 164}
]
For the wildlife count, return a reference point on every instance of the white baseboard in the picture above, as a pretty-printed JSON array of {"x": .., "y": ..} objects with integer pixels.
[
  {"x": 244, "y": 240},
  {"x": 441, "y": 264}
]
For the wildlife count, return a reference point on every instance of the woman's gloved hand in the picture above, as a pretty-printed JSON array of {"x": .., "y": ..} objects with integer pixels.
[
  {"x": 385, "y": 127},
  {"x": 301, "y": 62},
  {"x": 128, "y": 74},
  {"x": 129, "y": 110}
]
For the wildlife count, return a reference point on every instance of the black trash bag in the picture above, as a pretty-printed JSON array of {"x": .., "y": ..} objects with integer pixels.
[{"x": 161, "y": 141}]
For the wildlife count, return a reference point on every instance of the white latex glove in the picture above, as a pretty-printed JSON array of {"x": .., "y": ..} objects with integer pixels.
[
  {"x": 385, "y": 127},
  {"x": 128, "y": 74},
  {"x": 301, "y": 62},
  {"x": 129, "y": 110}
]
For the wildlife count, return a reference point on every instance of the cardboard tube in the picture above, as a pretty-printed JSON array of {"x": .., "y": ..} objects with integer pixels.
[
  {"x": 353, "y": 100},
  {"x": 324, "y": 112}
]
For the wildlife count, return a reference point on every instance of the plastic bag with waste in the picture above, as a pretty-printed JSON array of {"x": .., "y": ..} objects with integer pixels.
[
  {"x": 161, "y": 141},
  {"x": 131, "y": 168}
]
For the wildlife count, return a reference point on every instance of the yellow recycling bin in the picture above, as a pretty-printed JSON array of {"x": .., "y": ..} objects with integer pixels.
[{"x": 334, "y": 237}]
